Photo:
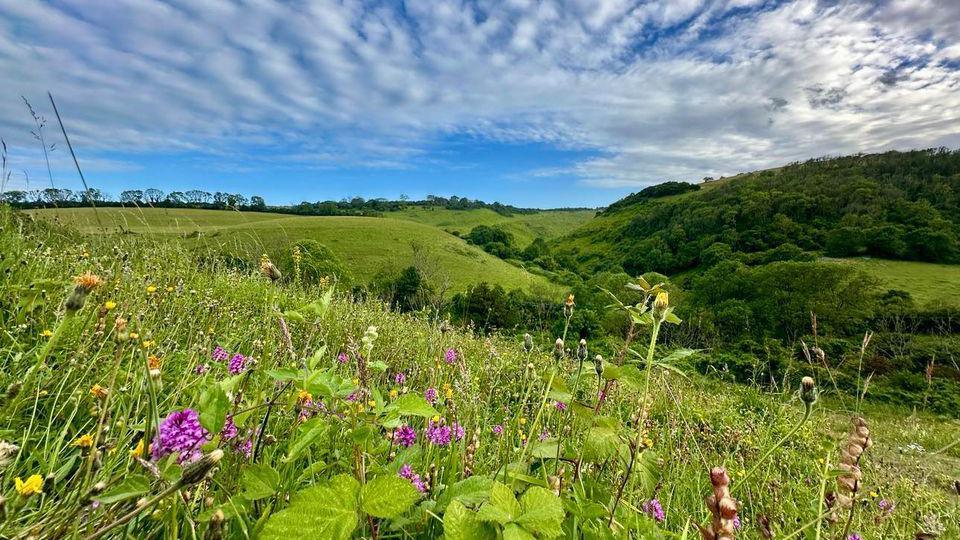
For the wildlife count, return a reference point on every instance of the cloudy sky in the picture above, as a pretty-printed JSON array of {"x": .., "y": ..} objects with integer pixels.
[{"x": 534, "y": 103}]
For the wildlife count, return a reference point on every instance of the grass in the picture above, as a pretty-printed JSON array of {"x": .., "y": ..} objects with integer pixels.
[
  {"x": 927, "y": 283},
  {"x": 296, "y": 469},
  {"x": 368, "y": 247},
  {"x": 524, "y": 227}
]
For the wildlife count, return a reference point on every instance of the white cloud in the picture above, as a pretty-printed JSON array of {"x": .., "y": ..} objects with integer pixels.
[{"x": 678, "y": 89}]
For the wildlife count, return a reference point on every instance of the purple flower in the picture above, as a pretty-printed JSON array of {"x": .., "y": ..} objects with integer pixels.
[
  {"x": 179, "y": 432},
  {"x": 886, "y": 506},
  {"x": 405, "y": 436},
  {"x": 237, "y": 364},
  {"x": 736, "y": 522},
  {"x": 497, "y": 429},
  {"x": 219, "y": 354},
  {"x": 653, "y": 509},
  {"x": 438, "y": 433},
  {"x": 352, "y": 396},
  {"x": 561, "y": 406},
  {"x": 245, "y": 447},
  {"x": 431, "y": 395},
  {"x": 343, "y": 358},
  {"x": 854, "y": 536},
  {"x": 229, "y": 430},
  {"x": 450, "y": 356},
  {"x": 201, "y": 369},
  {"x": 400, "y": 378},
  {"x": 458, "y": 431},
  {"x": 406, "y": 471},
  {"x": 544, "y": 435}
]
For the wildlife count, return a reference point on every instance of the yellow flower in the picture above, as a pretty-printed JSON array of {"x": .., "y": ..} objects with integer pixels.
[
  {"x": 304, "y": 396},
  {"x": 372, "y": 403},
  {"x": 153, "y": 362},
  {"x": 31, "y": 486},
  {"x": 134, "y": 335},
  {"x": 46, "y": 333},
  {"x": 147, "y": 343},
  {"x": 874, "y": 494},
  {"x": 98, "y": 391},
  {"x": 84, "y": 441},
  {"x": 449, "y": 393},
  {"x": 151, "y": 289},
  {"x": 137, "y": 451},
  {"x": 85, "y": 254},
  {"x": 88, "y": 281},
  {"x": 394, "y": 393},
  {"x": 523, "y": 421},
  {"x": 169, "y": 289},
  {"x": 662, "y": 301},
  {"x": 109, "y": 304},
  {"x": 356, "y": 381},
  {"x": 436, "y": 418},
  {"x": 569, "y": 301}
]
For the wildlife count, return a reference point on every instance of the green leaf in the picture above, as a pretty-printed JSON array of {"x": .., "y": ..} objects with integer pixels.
[
  {"x": 214, "y": 405},
  {"x": 327, "y": 511},
  {"x": 388, "y": 496},
  {"x": 414, "y": 405},
  {"x": 132, "y": 486},
  {"x": 542, "y": 512},
  {"x": 512, "y": 531},
  {"x": 679, "y": 354},
  {"x": 312, "y": 470},
  {"x": 546, "y": 449},
  {"x": 284, "y": 374},
  {"x": 601, "y": 443},
  {"x": 472, "y": 491},
  {"x": 502, "y": 507},
  {"x": 259, "y": 482},
  {"x": 462, "y": 524},
  {"x": 611, "y": 371},
  {"x": 308, "y": 433},
  {"x": 317, "y": 357}
]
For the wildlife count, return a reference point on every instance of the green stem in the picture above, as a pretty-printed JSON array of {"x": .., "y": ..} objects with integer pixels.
[{"x": 772, "y": 449}]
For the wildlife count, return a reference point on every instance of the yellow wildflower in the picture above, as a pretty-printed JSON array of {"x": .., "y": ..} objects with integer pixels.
[
  {"x": 109, "y": 304},
  {"x": 436, "y": 418},
  {"x": 304, "y": 396},
  {"x": 394, "y": 393},
  {"x": 134, "y": 335},
  {"x": 88, "y": 281},
  {"x": 98, "y": 391},
  {"x": 151, "y": 289},
  {"x": 47, "y": 333},
  {"x": 169, "y": 289},
  {"x": 523, "y": 421},
  {"x": 569, "y": 301},
  {"x": 137, "y": 451},
  {"x": 84, "y": 441},
  {"x": 372, "y": 403},
  {"x": 31, "y": 486},
  {"x": 147, "y": 343},
  {"x": 153, "y": 362}
]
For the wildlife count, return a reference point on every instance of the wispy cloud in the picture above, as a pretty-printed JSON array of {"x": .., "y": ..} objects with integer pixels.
[{"x": 656, "y": 90}]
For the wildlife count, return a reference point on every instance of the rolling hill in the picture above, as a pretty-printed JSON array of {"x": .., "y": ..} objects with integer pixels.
[{"x": 367, "y": 246}]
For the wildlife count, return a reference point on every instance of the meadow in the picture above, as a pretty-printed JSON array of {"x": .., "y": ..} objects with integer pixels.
[
  {"x": 367, "y": 246},
  {"x": 151, "y": 392}
]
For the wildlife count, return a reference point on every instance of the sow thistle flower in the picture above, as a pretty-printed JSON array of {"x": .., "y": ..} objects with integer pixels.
[
  {"x": 31, "y": 486},
  {"x": 84, "y": 441},
  {"x": 84, "y": 284}
]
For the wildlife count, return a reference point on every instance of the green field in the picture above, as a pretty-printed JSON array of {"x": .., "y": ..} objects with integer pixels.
[
  {"x": 524, "y": 227},
  {"x": 367, "y": 246},
  {"x": 927, "y": 283}
]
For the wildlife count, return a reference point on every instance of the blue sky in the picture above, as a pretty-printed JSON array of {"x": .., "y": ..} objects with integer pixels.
[{"x": 532, "y": 103}]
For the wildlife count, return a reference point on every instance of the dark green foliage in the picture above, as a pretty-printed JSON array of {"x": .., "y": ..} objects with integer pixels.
[
  {"x": 660, "y": 190},
  {"x": 493, "y": 240}
]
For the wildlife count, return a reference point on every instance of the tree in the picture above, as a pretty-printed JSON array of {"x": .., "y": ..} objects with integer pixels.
[
  {"x": 15, "y": 197},
  {"x": 196, "y": 196},
  {"x": 176, "y": 197},
  {"x": 131, "y": 196},
  {"x": 257, "y": 202},
  {"x": 153, "y": 195}
]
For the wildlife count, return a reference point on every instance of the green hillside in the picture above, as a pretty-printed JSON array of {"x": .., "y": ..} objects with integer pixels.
[
  {"x": 927, "y": 283},
  {"x": 367, "y": 246},
  {"x": 524, "y": 227}
]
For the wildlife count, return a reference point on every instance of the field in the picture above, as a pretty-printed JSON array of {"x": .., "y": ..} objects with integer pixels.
[
  {"x": 524, "y": 227},
  {"x": 927, "y": 283},
  {"x": 275, "y": 411},
  {"x": 367, "y": 246}
]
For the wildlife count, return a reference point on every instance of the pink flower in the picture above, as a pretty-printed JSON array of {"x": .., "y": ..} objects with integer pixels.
[
  {"x": 430, "y": 395},
  {"x": 219, "y": 354},
  {"x": 343, "y": 358},
  {"x": 450, "y": 356},
  {"x": 180, "y": 432},
  {"x": 497, "y": 429},
  {"x": 238, "y": 364},
  {"x": 405, "y": 436}
]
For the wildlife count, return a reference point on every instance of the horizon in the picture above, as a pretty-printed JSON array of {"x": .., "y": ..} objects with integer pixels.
[{"x": 534, "y": 105}]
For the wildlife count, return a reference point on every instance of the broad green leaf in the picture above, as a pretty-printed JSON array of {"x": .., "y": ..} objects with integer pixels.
[
  {"x": 546, "y": 449},
  {"x": 679, "y": 354},
  {"x": 284, "y": 374},
  {"x": 512, "y": 531},
  {"x": 414, "y": 405},
  {"x": 388, "y": 496},
  {"x": 132, "y": 486},
  {"x": 502, "y": 507},
  {"x": 259, "y": 482},
  {"x": 328, "y": 511},
  {"x": 601, "y": 443},
  {"x": 462, "y": 524},
  {"x": 308, "y": 433},
  {"x": 671, "y": 318},
  {"x": 317, "y": 357},
  {"x": 214, "y": 405},
  {"x": 611, "y": 371},
  {"x": 315, "y": 468},
  {"x": 472, "y": 491},
  {"x": 542, "y": 512}
]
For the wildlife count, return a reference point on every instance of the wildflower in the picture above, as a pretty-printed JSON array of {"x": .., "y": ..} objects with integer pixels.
[
  {"x": 497, "y": 429},
  {"x": 661, "y": 303},
  {"x": 886, "y": 506},
  {"x": 438, "y": 433},
  {"x": 722, "y": 506},
  {"x": 7, "y": 451},
  {"x": 88, "y": 282},
  {"x": 560, "y": 406},
  {"x": 153, "y": 361},
  {"x": 98, "y": 391},
  {"x": 406, "y": 471},
  {"x": 343, "y": 358},
  {"x": 109, "y": 305},
  {"x": 400, "y": 378},
  {"x": 179, "y": 432},
  {"x": 229, "y": 430},
  {"x": 31, "y": 486},
  {"x": 238, "y": 364},
  {"x": 568, "y": 306},
  {"x": 431, "y": 395},
  {"x": 523, "y": 421},
  {"x": 201, "y": 369},
  {"x": 405, "y": 436},
  {"x": 458, "y": 432},
  {"x": 447, "y": 391},
  {"x": 198, "y": 469},
  {"x": 46, "y": 333},
  {"x": 450, "y": 357},
  {"x": 219, "y": 354},
  {"x": 558, "y": 349},
  {"x": 653, "y": 509},
  {"x": 854, "y": 536},
  {"x": 84, "y": 441},
  {"x": 394, "y": 393},
  {"x": 268, "y": 269},
  {"x": 582, "y": 350},
  {"x": 527, "y": 342},
  {"x": 137, "y": 451},
  {"x": 808, "y": 391},
  {"x": 245, "y": 447},
  {"x": 169, "y": 288},
  {"x": 544, "y": 435},
  {"x": 151, "y": 289}
]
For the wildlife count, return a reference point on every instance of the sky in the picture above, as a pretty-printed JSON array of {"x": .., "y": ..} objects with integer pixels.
[{"x": 532, "y": 103}]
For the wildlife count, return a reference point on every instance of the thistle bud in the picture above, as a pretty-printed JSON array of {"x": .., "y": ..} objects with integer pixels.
[
  {"x": 661, "y": 302},
  {"x": 527, "y": 342},
  {"x": 598, "y": 365},
  {"x": 196, "y": 471},
  {"x": 120, "y": 332},
  {"x": 558, "y": 350},
  {"x": 568, "y": 306},
  {"x": 215, "y": 531},
  {"x": 808, "y": 391},
  {"x": 582, "y": 350}
]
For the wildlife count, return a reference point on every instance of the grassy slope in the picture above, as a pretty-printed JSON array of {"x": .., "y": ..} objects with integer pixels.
[
  {"x": 367, "y": 246},
  {"x": 928, "y": 283},
  {"x": 524, "y": 227},
  {"x": 694, "y": 423}
]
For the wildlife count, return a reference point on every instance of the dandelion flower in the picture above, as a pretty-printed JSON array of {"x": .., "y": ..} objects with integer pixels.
[
  {"x": 84, "y": 441},
  {"x": 109, "y": 305},
  {"x": 31, "y": 486},
  {"x": 151, "y": 289},
  {"x": 47, "y": 333},
  {"x": 98, "y": 391}
]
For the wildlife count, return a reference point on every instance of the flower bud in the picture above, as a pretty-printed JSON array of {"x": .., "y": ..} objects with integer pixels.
[
  {"x": 558, "y": 349},
  {"x": 661, "y": 302},
  {"x": 196, "y": 471},
  {"x": 808, "y": 390},
  {"x": 582, "y": 350},
  {"x": 527, "y": 342}
]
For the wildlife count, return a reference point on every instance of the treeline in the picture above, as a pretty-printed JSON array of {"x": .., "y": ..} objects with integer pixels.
[{"x": 195, "y": 198}]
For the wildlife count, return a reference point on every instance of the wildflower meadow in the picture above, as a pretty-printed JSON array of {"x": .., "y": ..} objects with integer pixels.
[{"x": 150, "y": 392}]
